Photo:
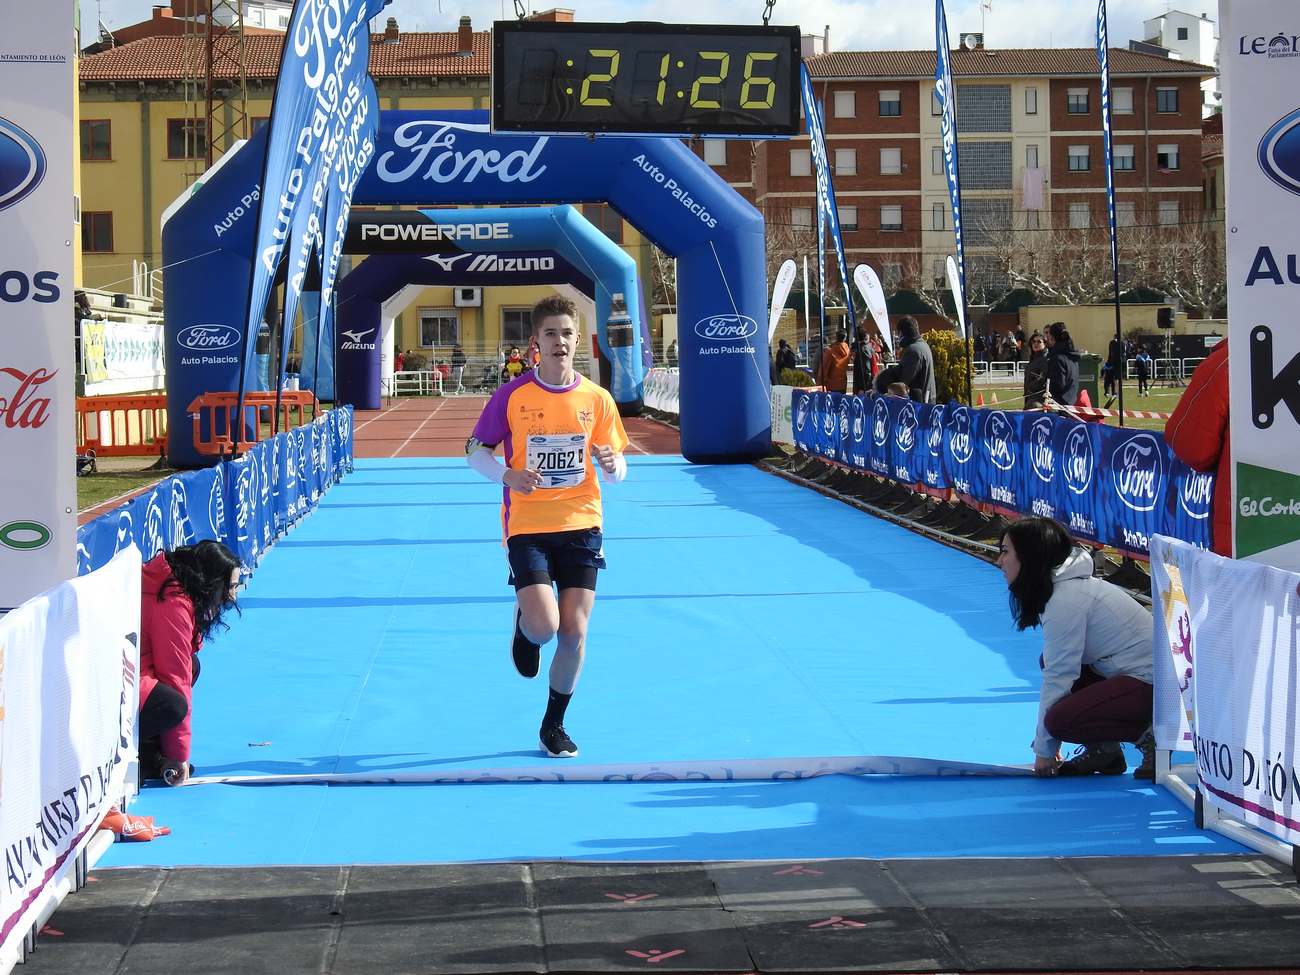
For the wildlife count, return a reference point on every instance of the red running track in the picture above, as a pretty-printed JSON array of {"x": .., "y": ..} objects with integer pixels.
[{"x": 439, "y": 426}]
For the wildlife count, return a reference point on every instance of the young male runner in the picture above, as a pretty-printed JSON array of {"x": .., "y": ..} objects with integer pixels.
[{"x": 552, "y": 424}]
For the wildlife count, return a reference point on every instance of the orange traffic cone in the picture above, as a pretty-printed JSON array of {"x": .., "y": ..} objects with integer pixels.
[
  {"x": 995, "y": 399},
  {"x": 979, "y": 400}
]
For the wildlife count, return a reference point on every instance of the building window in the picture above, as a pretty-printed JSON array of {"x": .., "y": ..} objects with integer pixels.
[
  {"x": 516, "y": 326},
  {"x": 891, "y": 275},
  {"x": 800, "y": 162},
  {"x": 936, "y": 161},
  {"x": 985, "y": 165},
  {"x": 1031, "y": 101},
  {"x": 983, "y": 108},
  {"x": 439, "y": 326},
  {"x": 801, "y": 217},
  {"x": 1121, "y": 101},
  {"x": 846, "y": 162},
  {"x": 1031, "y": 220},
  {"x": 187, "y": 138},
  {"x": 606, "y": 218},
  {"x": 1079, "y": 159},
  {"x": 1076, "y": 102},
  {"x": 1080, "y": 216},
  {"x": 891, "y": 104},
  {"x": 940, "y": 271},
  {"x": 96, "y": 232},
  {"x": 891, "y": 218},
  {"x": 891, "y": 162},
  {"x": 1125, "y": 213},
  {"x": 936, "y": 106},
  {"x": 937, "y": 219},
  {"x": 96, "y": 139},
  {"x": 1123, "y": 157},
  {"x": 1167, "y": 216},
  {"x": 715, "y": 152},
  {"x": 848, "y": 218},
  {"x": 1167, "y": 100},
  {"x": 1167, "y": 158},
  {"x": 986, "y": 221},
  {"x": 1182, "y": 33},
  {"x": 845, "y": 104},
  {"x": 1031, "y": 157}
]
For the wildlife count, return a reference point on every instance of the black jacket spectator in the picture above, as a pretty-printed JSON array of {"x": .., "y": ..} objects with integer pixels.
[
  {"x": 784, "y": 358},
  {"x": 1062, "y": 365},
  {"x": 915, "y": 367},
  {"x": 1036, "y": 374}
]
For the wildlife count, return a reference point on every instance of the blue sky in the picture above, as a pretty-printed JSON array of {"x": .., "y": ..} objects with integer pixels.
[{"x": 855, "y": 24}]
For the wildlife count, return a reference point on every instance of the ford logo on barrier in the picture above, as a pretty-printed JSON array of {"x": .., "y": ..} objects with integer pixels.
[
  {"x": 801, "y": 413},
  {"x": 726, "y": 328},
  {"x": 1041, "y": 458},
  {"x": 905, "y": 435},
  {"x": 934, "y": 433},
  {"x": 1077, "y": 461},
  {"x": 880, "y": 423},
  {"x": 1137, "y": 472},
  {"x": 22, "y": 164},
  {"x": 828, "y": 420},
  {"x": 207, "y": 338},
  {"x": 960, "y": 444},
  {"x": 844, "y": 418},
  {"x": 999, "y": 441},
  {"x": 1279, "y": 153},
  {"x": 859, "y": 419},
  {"x": 1195, "y": 495}
]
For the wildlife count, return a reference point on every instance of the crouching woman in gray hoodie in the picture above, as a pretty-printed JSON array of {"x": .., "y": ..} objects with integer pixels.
[{"x": 1096, "y": 657}]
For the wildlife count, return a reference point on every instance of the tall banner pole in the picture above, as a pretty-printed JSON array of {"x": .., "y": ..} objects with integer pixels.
[
  {"x": 38, "y": 502},
  {"x": 1261, "y": 116},
  {"x": 1103, "y": 59},
  {"x": 947, "y": 94},
  {"x": 807, "y": 338}
]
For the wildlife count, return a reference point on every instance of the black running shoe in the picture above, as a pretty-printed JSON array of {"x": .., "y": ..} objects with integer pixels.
[
  {"x": 1102, "y": 759},
  {"x": 557, "y": 743},
  {"x": 526, "y": 654}
]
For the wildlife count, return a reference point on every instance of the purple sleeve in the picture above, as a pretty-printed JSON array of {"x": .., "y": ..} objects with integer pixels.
[{"x": 493, "y": 427}]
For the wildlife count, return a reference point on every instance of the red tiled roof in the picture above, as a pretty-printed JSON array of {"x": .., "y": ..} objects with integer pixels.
[
  {"x": 164, "y": 58},
  {"x": 1043, "y": 61}
]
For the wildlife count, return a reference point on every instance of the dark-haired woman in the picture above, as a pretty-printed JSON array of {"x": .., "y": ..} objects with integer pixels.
[
  {"x": 1062, "y": 365},
  {"x": 183, "y": 596},
  {"x": 1096, "y": 657},
  {"x": 1036, "y": 373}
]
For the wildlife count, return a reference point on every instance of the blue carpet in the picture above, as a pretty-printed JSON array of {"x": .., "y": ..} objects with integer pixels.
[{"x": 740, "y": 617}]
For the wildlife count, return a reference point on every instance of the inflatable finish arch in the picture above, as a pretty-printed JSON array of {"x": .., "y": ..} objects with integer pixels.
[{"x": 426, "y": 158}]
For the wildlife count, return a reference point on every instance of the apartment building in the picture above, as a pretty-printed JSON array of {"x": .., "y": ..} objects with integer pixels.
[{"x": 1030, "y": 151}]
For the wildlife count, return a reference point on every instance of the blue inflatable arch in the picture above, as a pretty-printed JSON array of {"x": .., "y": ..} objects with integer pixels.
[{"x": 428, "y": 159}]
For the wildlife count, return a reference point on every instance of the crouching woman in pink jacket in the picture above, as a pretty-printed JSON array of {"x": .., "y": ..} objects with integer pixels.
[{"x": 184, "y": 594}]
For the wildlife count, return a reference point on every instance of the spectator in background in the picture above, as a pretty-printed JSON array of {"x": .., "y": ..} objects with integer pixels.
[
  {"x": 979, "y": 347},
  {"x": 1114, "y": 371},
  {"x": 1096, "y": 658},
  {"x": 834, "y": 370},
  {"x": 1198, "y": 434},
  {"x": 458, "y": 363},
  {"x": 784, "y": 358},
  {"x": 1062, "y": 365},
  {"x": 898, "y": 389},
  {"x": 399, "y": 361},
  {"x": 1142, "y": 364},
  {"x": 1036, "y": 373},
  {"x": 671, "y": 354},
  {"x": 915, "y": 366},
  {"x": 862, "y": 356},
  {"x": 183, "y": 596},
  {"x": 514, "y": 365}
]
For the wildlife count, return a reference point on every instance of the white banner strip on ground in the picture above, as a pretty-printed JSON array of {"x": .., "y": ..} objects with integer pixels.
[
  {"x": 1171, "y": 644},
  {"x": 740, "y": 770},
  {"x": 121, "y": 357},
  {"x": 38, "y": 524},
  {"x": 68, "y": 701},
  {"x": 660, "y": 391},
  {"x": 1261, "y": 144},
  {"x": 1243, "y": 632}
]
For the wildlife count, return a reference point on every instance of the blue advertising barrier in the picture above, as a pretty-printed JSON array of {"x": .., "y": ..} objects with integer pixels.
[
  {"x": 1109, "y": 486},
  {"x": 245, "y": 503}
]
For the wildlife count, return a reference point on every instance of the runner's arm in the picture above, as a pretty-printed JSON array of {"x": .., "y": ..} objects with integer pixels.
[
  {"x": 481, "y": 459},
  {"x": 618, "y": 473}
]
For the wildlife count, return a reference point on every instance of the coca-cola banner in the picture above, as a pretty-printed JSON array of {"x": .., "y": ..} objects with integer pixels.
[
  {"x": 1107, "y": 485},
  {"x": 245, "y": 504},
  {"x": 37, "y": 234}
]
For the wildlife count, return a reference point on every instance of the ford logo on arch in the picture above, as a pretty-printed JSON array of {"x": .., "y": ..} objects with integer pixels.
[
  {"x": 22, "y": 163},
  {"x": 1279, "y": 153},
  {"x": 726, "y": 328},
  {"x": 208, "y": 337}
]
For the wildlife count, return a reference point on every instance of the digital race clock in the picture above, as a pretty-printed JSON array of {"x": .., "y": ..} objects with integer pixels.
[{"x": 645, "y": 78}]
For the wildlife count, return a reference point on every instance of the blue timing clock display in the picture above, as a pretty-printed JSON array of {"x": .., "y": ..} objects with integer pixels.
[{"x": 645, "y": 79}]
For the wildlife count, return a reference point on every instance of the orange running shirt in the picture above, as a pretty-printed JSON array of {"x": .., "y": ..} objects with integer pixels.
[{"x": 552, "y": 431}]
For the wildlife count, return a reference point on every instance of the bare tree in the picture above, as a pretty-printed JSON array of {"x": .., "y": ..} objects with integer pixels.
[
  {"x": 1189, "y": 264},
  {"x": 663, "y": 280},
  {"x": 919, "y": 278}
]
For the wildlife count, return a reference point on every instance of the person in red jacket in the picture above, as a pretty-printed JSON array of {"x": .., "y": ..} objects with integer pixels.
[
  {"x": 183, "y": 596},
  {"x": 1198, "y": 434}
]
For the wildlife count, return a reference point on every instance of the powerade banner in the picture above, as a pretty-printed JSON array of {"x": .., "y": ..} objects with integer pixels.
[
  {"x": 245, "y": 504},
  {"x": 317, "y": 65},
  {"x": 1109, "y": 486},
  {"x": 1103, "y": 59},
  {"x": 943, "y": 87},
  {"x": 816, "y": 126},
  {"x": 451, "y": 159}
]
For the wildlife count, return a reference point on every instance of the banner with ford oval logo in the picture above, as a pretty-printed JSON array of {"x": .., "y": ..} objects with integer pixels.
[
  {"x": 904, "y": 441},
  {"x": 22, "y": 163},
  {"x": 1134, "y": 469},
  {"x": 726, "y": 328},
  {"x": 207, "y": 338},
  {"x": 1279, "y": 152},
  {"x": 997, "y": 473},
  {"x": 844, "y": 433},
  {"x": 930, "y": 466}
]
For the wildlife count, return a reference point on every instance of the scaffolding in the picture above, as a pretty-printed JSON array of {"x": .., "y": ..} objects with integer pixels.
[{"x": 215, "y": 80}]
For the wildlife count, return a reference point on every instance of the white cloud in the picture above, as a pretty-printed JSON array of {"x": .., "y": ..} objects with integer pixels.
[{"x": 854, "y": 24}]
